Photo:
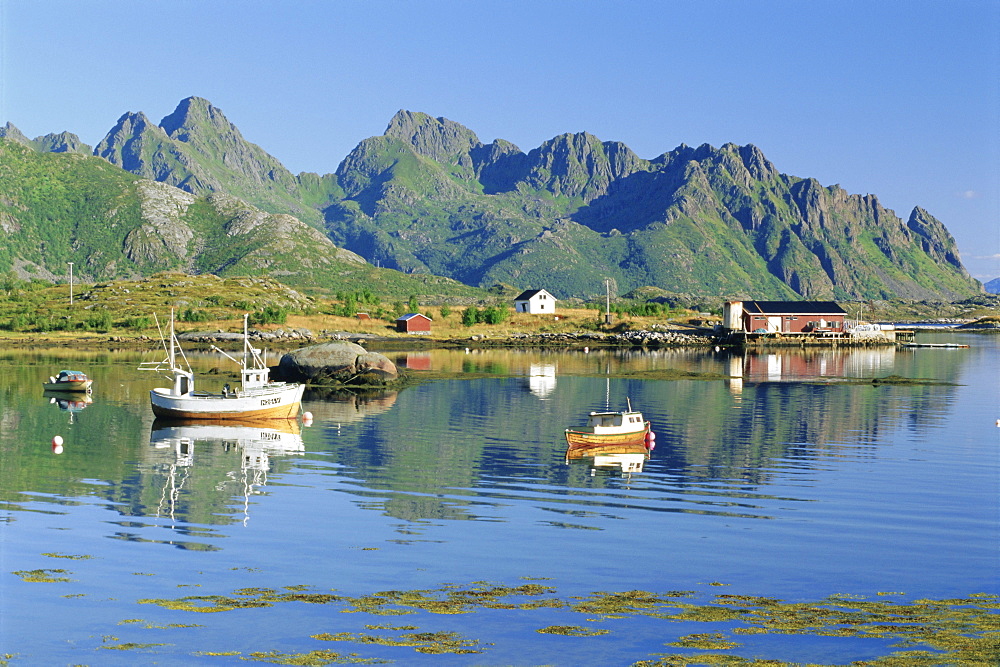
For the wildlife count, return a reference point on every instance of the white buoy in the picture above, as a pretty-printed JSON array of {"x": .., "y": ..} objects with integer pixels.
[
  {"x": 57, "y": 440},
  {"x": 307, "y": 415},
  {"x": 57, "y": 445}
]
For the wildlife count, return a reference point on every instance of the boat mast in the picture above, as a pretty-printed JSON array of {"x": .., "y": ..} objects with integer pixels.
[
  {"x": 173, "y": 355},
  {"x": 246, "y": 341}
]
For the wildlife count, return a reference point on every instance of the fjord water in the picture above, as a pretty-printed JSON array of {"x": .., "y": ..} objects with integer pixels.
[{"x": 785, "y": 481}]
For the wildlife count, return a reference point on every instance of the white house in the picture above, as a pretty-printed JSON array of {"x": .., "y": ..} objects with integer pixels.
[{"x": 535, "y": 301}]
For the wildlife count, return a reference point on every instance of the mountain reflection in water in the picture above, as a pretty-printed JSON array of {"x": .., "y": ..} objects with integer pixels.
[{"x": 774, "y": 477}]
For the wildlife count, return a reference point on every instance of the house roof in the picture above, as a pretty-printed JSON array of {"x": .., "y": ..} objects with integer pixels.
[
  {"x": 793, "y": 308},
  {"x": 527, "y": 294},
  {"x": 410, "y": 316}
]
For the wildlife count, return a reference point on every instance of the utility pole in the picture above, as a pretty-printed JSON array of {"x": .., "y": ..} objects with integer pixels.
[
  {"x": 71, "y": 283},
  {"x": 607, "y": 301}
]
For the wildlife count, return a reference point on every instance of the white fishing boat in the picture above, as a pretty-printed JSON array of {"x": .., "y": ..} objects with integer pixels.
[{"x": 257, "y": 398}]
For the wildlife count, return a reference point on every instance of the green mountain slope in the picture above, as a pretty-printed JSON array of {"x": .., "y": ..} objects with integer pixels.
[
  {"x": 429, "y": 196},
  {"x": 59, "y": 208}
]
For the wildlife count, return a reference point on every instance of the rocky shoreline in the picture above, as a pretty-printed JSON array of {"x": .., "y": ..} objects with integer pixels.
[
  {"x": 661, "y": 336},
  {"x": 669, "y": 337}
]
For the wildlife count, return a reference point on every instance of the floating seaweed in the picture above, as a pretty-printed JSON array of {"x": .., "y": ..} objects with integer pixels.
[
  {"x": 961, "y": 630},
  {"x": 572, "y": 631},
  {"x": 69, "y": 556},
  {"x": 42, "y": 576}
]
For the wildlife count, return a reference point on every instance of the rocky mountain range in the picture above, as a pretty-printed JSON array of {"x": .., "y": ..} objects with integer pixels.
[{"x": 428, "y": 198}]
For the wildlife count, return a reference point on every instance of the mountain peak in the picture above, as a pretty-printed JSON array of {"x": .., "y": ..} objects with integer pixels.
[
  {"x": 132, "y": 120},
  {"x": 192, "y": 115},
  {"x": 440, "y": 139},
  {"x": 63, "y": 142},
  {"x": 8, "y": 131}
]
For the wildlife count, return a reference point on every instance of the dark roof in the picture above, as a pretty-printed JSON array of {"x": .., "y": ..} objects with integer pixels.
[
  {"x": 793, "y": 307},
  {"x": 410, "y": 316},
  {"x": 527, "y": 294}
]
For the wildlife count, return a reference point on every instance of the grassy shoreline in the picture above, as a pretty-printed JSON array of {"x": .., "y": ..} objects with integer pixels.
[{"x": 124, "y": 314}]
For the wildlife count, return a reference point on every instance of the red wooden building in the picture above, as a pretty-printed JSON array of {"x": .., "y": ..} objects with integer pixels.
[
  {"x": 783, "y": 316},
  {"x": 413, "y": 323}
]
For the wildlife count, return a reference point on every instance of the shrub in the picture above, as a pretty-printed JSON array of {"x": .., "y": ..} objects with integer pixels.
[
  {"x": 138, "y": 323},
  {"x": 99, "y": 322},
  {"x": 269, "y": 315},
  {"x": 192, "y": 315},
  {"x": 470, "y": 316},
  {"x": 495, "y": 314}
]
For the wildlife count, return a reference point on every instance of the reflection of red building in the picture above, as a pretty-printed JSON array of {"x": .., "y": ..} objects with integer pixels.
[
  {"x": 787, "y": 365},
  {"x": 783, "y": 316},
  {"x": 420, "y": 361}
]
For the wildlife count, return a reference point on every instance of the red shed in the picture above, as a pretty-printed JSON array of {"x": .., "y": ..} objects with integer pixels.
[{"x": 413, "y": 323}]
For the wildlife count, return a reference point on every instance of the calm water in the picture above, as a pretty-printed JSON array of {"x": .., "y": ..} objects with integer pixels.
[{"x": 786, "y": 483}]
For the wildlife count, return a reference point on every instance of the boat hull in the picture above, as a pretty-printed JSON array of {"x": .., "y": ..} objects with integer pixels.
[
  {"x": 280, "y": 403},
  {"x": 76, "y": 385},
  {"x": 584, "y": 440}
]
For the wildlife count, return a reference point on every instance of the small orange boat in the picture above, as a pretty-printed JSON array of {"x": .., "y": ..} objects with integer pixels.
[{"x": 609, "y": 431}]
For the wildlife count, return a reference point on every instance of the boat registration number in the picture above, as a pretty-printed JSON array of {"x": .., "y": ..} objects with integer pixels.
[{"x": 270, "y": 401}]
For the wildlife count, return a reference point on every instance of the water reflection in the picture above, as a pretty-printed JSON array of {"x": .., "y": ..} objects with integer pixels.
[
  {"x": 462, "y": 448},
  {"x": 254, "y": 442},
  {"x": 345, "y": 409},
  {"x": 789, "y": 490},
  {"x": 799, "y": 364},
  {"x": 542, "y": 379},
  {"x": 617, "y": 459},
  {"x": 72, "y": 403}
]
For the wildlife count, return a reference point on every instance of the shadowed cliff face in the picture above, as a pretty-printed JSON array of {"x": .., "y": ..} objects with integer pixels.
[{"x": 429, "y": 196}]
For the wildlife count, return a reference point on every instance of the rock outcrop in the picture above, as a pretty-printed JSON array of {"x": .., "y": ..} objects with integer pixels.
[{"x": 338, "y": 362}]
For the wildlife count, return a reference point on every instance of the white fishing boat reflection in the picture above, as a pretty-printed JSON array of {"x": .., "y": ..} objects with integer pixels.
[{"x": 256, "y": 442}]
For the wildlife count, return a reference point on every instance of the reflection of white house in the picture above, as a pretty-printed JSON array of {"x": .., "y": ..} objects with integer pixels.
[
  {"x": 541, "y": 379},
  {"x": 535, "y": 301}
]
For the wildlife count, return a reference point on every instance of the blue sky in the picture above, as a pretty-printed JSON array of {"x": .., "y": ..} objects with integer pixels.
[{"x": 900, "y": 99}]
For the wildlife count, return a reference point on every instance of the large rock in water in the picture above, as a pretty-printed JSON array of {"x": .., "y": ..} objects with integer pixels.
[{"x": 338, "y": 362}]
